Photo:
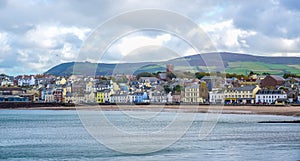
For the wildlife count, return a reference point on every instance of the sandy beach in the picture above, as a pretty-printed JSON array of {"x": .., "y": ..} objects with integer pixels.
[{"x": 263, "y": 110}]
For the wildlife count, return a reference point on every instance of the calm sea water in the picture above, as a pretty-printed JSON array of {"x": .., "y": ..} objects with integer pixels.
[{"x": 60, "y": 135}]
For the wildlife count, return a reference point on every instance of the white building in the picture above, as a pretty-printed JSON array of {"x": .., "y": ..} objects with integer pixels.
[
  {"x": 192, "y": 94},
  {"x": 26, "y": 81},
  {"x": 169, "y": 98},
  {"x": 6, "y": 82},
  {"x": 49, "y": 97},
  {"x": 269, "y": 96},
  {"x": 158, "y": 97},
  {"x": 216, "y": 96},
  {"x": 119, "y": 98}
]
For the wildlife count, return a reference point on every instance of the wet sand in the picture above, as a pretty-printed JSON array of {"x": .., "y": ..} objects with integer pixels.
[{"x": 263, "y": 110}]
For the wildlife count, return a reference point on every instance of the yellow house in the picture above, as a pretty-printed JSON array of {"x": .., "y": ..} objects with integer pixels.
[
  {"x": 103, "y": 96},
  {"x": 100, "y": 96},
  {"x": 241, "y": 95},
  {"x": 64, "y": 93}
]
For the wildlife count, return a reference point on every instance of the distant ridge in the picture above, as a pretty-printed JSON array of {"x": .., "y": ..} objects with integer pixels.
[{"x": 233, "y": 63}]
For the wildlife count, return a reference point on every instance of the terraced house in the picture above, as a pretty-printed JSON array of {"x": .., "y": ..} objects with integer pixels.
[
  {"x": 119, "y": 98},
  {"x": 103, "y": 96},
  {"x": 270, "y": 96},
  {"x": 241, "y": 95}
]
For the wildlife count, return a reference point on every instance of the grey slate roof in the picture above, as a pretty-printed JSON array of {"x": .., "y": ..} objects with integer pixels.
[
  {"x": 270, "y": 92},
  {"x": 244, "y": 88},
  {"x": 277, "y": 77}
]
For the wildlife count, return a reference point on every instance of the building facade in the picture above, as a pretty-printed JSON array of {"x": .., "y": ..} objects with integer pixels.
[
  {"x": 269, "y": 96},
  {"x": 240, "y": 95},
  {"x": 192, "y": 94}
]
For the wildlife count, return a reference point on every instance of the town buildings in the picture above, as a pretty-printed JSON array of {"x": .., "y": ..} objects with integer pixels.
[{"x": 126, "y": 89}]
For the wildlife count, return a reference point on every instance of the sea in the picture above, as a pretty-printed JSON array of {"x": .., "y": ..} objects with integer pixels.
[{"x": 63, "y": 135}]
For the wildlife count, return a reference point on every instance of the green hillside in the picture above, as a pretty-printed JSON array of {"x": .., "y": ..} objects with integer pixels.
[
  {"x": 260, "y": 67},
  {"x": 233, "y": 63}
]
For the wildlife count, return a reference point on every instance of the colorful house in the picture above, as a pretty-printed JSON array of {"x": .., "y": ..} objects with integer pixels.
[
  {"x": 241, "y": 95},
  {"x": 100, "y": 96},
  {"x": 139, "y": 97},
  {"x": 103, "y": 96}
]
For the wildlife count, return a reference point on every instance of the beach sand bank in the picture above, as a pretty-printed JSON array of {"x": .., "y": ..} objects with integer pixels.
[{"x": 263, "y": 110}]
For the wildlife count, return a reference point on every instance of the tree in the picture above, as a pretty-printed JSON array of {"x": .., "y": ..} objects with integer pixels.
[
  {"x": 3, "y": 75},
  {"x": 252, "y": 73},
  {"x": 177, "y": 89},
  {"x": 238, "y": 76},
  {"x": 287, "y": 75},
  {"x": 200, "y": 75},
  {"x": 144, "y": 74},
  {"x": 156, "y": 74},
  {"x": 102, "y": 78},
  {"x": 167, "y": 88},
  {"x": 170, "y": 76}
]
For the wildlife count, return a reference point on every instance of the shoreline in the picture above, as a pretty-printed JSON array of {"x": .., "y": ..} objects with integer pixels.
[{"x": 249, "y": 110}]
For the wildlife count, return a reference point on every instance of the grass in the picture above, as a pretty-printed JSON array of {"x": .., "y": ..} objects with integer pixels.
[{"x": 258, "y": 67}]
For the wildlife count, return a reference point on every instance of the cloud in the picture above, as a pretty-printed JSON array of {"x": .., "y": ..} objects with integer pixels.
[
  {"x": 226, "y": 37},
  {"x": 267, "y": 17},
  {"x": 40, "y": 48},
  {"x": 132, "y": 44},
  {"x": 145, "y": 46},
  {"x": 42, "y": 34},
  {"x": 272, "y": 46},
  {"x": 128, "y": 44},
  {"x": 4, "y": 46},
  {"x": 290, "y": 4},
  {"x": 49, "y": 37}
]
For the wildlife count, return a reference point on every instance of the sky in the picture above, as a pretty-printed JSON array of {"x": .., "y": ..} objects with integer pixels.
[{"x": 36, "y": 35}]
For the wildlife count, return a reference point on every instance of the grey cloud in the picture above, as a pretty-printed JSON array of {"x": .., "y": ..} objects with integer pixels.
[
  {"x": 291, "y": 4},
  {"x": 72, "y": 39},
  {"x": 9, "y": 61},
  {"x": 3, "y": 3},
  {"x": 271, "y": 20},
  {"x": 268, "y": 18}
]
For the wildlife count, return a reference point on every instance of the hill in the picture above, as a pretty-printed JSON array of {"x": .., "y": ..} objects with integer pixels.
[{"x": 233, "y": 63}]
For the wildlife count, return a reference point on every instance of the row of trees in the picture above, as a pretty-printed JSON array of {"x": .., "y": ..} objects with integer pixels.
[
  {"x": 200, "y": 75},
  {"x": 170, "y": 76},
  {"x": 175, "y": 90}
]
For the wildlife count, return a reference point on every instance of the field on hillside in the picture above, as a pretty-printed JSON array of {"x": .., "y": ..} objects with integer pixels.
[{"x": 259, "y": 67}]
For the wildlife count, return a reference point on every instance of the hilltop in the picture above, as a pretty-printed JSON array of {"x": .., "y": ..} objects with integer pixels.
[{"x": 233, "y": 63}]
